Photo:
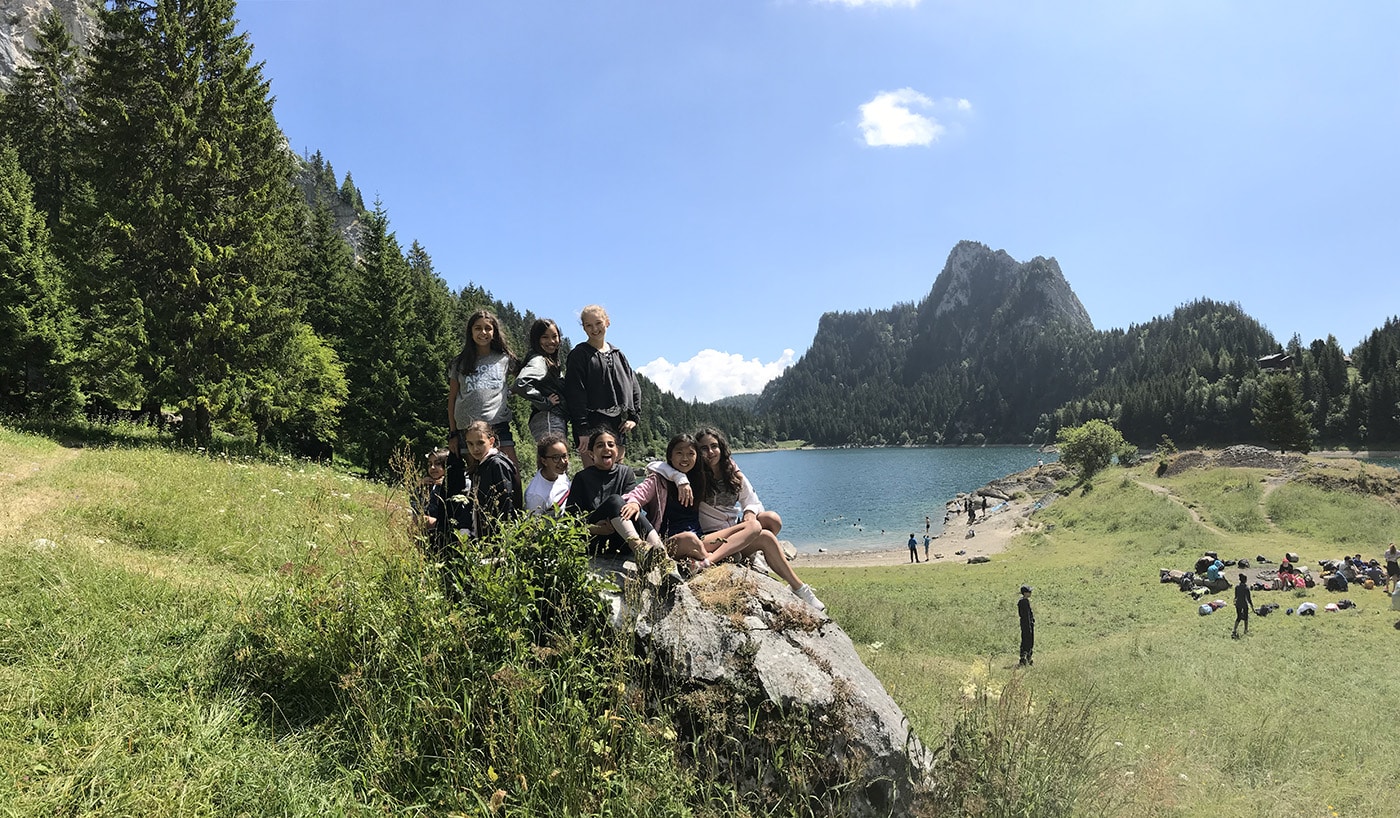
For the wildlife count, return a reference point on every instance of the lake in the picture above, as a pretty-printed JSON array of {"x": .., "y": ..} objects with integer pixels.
[{"x": 841, "y": 499}]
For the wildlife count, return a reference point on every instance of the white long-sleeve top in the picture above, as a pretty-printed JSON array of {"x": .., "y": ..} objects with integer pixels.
[{"x": 714, "y": 517}]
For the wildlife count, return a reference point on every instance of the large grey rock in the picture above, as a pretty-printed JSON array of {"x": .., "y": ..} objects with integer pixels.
[{"x": 773, "y": 694}]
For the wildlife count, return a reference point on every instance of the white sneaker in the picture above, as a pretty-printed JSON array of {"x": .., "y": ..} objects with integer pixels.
[{"x": 805, "y": 594}]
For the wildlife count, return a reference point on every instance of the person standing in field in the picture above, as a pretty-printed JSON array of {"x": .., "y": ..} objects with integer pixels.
[
  {"x": 1027, "y": 616},
  {"x": 600, "y": 388},
  {"x": 1243, "y": 601},
  {"x": 1392, "y": 568}
]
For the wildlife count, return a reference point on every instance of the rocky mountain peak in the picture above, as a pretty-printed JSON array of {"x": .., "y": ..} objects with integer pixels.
[
  {"x": 987, "y": 282},
  {"x": 19, "y": 24}
]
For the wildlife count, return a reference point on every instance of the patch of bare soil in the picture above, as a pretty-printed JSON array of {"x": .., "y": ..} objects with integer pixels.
[{"x": 25, "y": 493}]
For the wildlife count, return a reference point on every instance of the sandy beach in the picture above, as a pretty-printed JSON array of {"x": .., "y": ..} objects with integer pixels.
[{"x": 993, "y": 534}]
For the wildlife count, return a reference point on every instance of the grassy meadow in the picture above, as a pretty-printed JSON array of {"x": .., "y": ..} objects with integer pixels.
[
  {"x": 163, "y": 616},
  {"x": 1290, "y": 721}
]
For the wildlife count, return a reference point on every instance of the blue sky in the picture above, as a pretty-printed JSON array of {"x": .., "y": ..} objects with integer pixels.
[{"x": 719, "y": 173}]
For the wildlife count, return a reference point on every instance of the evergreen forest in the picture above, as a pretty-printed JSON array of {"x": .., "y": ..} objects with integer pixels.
[{"x": 164, "y": 254}]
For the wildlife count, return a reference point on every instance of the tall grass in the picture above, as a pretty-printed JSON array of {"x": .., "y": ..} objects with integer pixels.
[{"x": 1356, "y": 522}]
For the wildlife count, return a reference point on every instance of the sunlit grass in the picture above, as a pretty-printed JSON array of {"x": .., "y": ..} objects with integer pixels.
[
  {"x": 1196, "y": 717},
  {"x": 128, "y": 575}
]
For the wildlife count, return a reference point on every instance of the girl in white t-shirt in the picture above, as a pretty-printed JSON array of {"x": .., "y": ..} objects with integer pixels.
[{"x": 549, "y": 489}]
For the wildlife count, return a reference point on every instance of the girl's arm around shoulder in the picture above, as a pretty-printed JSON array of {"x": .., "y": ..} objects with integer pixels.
[{"x": 669, "y": 472}]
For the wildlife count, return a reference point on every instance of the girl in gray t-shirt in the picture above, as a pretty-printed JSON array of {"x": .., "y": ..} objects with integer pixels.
[{"x": 478, "y": 389}]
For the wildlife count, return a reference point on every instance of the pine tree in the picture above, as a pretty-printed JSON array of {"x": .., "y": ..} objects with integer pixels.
[
  {"x": 350, "y": 195},
  {"x": 1280, "y": 416},
  {"x": 432, "y": 343},
  {"x": 379, "y": 418},
  {"x": 36, "y": 318},
  {"x": 192, "y": 183},
  {"x": 323, "y": 284},
  {"x": 40, "y": 115}
]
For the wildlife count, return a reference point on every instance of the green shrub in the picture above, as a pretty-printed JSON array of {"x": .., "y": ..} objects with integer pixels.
[
  {"x": 516, "y": 691},
  {"x": 1008, "y": 755}
]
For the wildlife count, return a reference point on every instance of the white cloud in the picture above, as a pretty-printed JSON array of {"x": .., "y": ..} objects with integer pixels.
[
  {"x": 712, "y": 374},
  {"x": 964, "y": 105},
  {"x": 856, "y": 3},
  {"x": 889, "y": 119}
]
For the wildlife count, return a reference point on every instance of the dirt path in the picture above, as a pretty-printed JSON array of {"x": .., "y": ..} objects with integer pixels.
[
  {"x": 1167, "y": 493},
  {"x": 27, "y": 494},
  {"x": 25, "y": 491},
  {"x": 1271, "y": 484}
]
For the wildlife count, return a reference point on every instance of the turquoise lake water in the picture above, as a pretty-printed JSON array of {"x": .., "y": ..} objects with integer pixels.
[{"x": 841, "y": 499}]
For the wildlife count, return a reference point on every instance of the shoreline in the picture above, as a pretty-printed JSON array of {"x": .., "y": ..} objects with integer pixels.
[{"x": 994, "y": 534}]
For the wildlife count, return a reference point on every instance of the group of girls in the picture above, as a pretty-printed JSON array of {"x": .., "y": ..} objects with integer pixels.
[
  {"x": 600, "y": 389},
  {"x": 697, "y": 503},
  {"x": 596, "y": 387}
]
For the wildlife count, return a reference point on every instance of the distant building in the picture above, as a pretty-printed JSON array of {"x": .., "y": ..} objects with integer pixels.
[{"x": 1279, "y": 361}]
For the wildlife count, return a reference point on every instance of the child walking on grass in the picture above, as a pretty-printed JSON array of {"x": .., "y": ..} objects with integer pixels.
[{"x": 1243, "y": 602}]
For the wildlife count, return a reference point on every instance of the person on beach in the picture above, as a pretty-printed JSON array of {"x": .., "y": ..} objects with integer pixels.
[
  {"x": 1243, "y": 603},
  {"x": 1027, "y": 616},
  {"x": 495, "y": 486},
  {"x": 541, "y": 381},
  {"x": 913, "y": 549},
  {"x": 549, "y": 488},
  {"x": 600, "y": 388},
  {"x": 597, "y": 493},
  {"x": 927, "y": 540},
  {"x": 478, "y": 389}
]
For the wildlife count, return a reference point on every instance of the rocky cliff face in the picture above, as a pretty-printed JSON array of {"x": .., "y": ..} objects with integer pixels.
[
  {"x": 981, "y": 291},
  {"x": 19, "y": 20}
]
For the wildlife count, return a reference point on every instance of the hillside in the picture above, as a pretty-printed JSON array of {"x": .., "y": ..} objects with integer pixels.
[{"x": 1002, "y": 351}]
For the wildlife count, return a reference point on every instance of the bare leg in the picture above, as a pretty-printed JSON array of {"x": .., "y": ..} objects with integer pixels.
[
  {"x": 732, "y": 540},
  {"x": 686, "y": 544},
  {"x": 777, "y": 560},
  {"x": 771, "y": 522},
  {"x": 629, "y": 532}
]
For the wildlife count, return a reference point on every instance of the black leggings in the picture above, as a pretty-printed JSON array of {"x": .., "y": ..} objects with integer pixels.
[{"x": 614, "y": 543}]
